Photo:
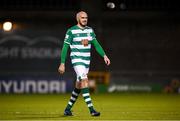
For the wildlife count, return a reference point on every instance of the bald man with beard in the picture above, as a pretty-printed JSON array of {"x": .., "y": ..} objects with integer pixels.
[{"x": 79, "y": 38}]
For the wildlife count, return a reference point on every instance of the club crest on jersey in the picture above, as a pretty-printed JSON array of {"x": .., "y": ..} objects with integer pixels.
[{"x": 84, "y": 42}]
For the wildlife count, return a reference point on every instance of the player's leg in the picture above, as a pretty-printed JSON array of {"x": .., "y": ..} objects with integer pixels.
[
  {"x": 74, "y": 96},
  {"x": 86, "y": 93}
]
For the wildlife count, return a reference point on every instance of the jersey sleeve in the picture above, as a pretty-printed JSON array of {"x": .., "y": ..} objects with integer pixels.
[
  {"x": 68, "y": 37},
  {"x": 98, "y": 47},
  {"x": 67, "y": 42},
  {"x": 64, "y": 52},
  {"x": 93, "y": 35}
]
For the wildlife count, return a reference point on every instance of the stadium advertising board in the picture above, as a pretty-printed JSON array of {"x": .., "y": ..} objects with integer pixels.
[
  {"x": 32, "y": 84},
  {"x": 29, "y": 65}
]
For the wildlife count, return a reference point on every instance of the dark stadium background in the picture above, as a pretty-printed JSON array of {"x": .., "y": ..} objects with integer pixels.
[{"x": 141, "y": 37}]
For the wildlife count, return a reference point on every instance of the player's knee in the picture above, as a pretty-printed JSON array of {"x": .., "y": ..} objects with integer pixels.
[
  {"x": 84, "y": 83},
  {"x": 78, "y": 85}
]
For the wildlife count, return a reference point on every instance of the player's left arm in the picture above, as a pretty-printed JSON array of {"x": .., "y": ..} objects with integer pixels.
[{"x": 101, "y": 52}]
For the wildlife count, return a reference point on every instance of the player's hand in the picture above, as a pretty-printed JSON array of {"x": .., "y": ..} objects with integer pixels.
[
  {"x": 61, "y": 68},
  {"x": 106, "y": 60}
]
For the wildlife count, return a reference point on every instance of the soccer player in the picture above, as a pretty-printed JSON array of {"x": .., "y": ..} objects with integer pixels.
[{"x": 80, "y": 37}]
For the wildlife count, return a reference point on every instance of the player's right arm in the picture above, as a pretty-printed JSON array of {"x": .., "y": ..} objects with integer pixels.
[
  {"x": 64, "y": 51},
  {"x": 63, "y": 58}
]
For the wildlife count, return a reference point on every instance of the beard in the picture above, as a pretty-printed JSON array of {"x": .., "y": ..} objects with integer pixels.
[{"x": 83, "y": 25}]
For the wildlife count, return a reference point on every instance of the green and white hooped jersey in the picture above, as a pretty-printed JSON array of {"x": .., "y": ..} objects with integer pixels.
[{"x": 80, "y": 54}]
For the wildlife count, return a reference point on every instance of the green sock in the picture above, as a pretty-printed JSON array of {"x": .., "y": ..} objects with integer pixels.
[
  {"x": 73, "y": 98},
  {"x": 87, "y": 98}
]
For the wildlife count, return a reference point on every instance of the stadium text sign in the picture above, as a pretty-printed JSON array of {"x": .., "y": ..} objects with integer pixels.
[
  {"x": 32, "y": 86},
  {"x": 29, "y": 52}
]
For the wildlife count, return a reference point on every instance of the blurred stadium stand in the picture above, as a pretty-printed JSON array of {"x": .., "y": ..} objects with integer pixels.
[
  {"x": 34, "y": 5},
  {"x": 141, "y": 5},
  {"x": 141, "y": 37}
]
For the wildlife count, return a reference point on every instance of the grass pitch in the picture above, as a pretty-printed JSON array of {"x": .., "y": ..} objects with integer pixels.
[{"x": 117, "y": 106}]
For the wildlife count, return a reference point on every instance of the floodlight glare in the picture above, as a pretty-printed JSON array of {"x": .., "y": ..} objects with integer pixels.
[
  {"x": 111, "y": 5},
  {"x": 7, "y": 26}
]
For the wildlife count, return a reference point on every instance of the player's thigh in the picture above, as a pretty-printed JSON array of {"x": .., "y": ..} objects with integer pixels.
[{"x": 81, "y": 72}]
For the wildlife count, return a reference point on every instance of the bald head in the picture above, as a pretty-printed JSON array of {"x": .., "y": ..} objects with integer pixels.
[
  {"x": 79, "y": 14},
  {"x": 82, "y": 18}
]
